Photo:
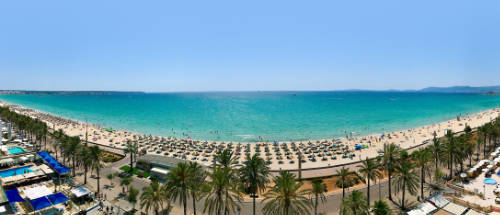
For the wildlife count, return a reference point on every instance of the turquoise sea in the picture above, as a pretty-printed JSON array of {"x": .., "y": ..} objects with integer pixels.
[{"x": 248, "y": 116}]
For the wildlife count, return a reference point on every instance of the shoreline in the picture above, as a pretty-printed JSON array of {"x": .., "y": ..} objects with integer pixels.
[{"x": 318, "y": 153}]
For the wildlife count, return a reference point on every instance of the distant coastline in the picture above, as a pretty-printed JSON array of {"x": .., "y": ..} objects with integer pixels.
[
  {"x": 30, "y": 92},
  {"x": 488, "y": 90}
]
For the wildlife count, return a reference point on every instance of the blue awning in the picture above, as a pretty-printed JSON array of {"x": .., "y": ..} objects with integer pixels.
[
  {"x": 57, "y": 198},
  {"x": 60, "y": 169},
  {"x": 13, "y": 195},
  {"x": 40, "y": 203}
]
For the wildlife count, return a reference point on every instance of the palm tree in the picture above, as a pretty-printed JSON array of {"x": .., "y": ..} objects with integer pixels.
[
  {"x": 178, "y": 183},
  {"x": 132, "y": 196},
  {"x": 318, "y": 190},
  {"x": 449, "y": 148},
  {"x": 483, "y": 132},
  {"x": 153, "y": 197},
  {"x": 460, "y": 151},
  {"x": 391, "y": 153},
  {"x": 436, "y": 185},
  {"x": 72, "y": 149},
  {"x": 253, "y": 176},
  {"x": 96, "y": 157},
  {"x": 285, "y": 197},
  {"x": 223, "y": 191},
  {"x": 354, "y": 204},
  {"x": 85, "y": 160},
  {"x": 436, "y": 150},
  {"x": 226, "y": 159},
  {"x": 343, "y": 174},
  {"x": 369, "y": 170},
  {"x": 132, "y": 149},
  {"x": 406, "y": 179},
  {"x": 479, "y": 142},
  {"x": 124, "y": 182},
  {"x": 381, "y": 208},
  {"x": 110, "y": 177},
  {"x": 421, "y": 158},
  {"x": 196, "y": 185}
]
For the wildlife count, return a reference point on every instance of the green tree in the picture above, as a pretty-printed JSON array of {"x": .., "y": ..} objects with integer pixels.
[
  {"x": 226, "y": 159},
  {"x": 124, "y": 182},
  {"x": 390, "y": 154},
  {"x": 318, "y": 190},
  {"x": 196, "y": 186},
  {"x": 223, "y": 192},
  {"x": 449, "y": 149},
  {"x": 381, "y": 208},
  {"x": 343, "y": 175},
  {"x": 369, "y": 170},
  {"x": 96, "y": 157},
  {"x": 132, "y": 149},
  {"x": 436, "y": 149},
  {"x": 422, "y": 157},
  {"x": 406, "y": 179},
  {"x": 254, "y": 176},
  {"x": 153, "y": 197},
  {"x": 85, "y": 160},
  {"x": 285, "y": 197},
  {"x": 354, "y": 204},
  {"x": 177, "y": 185},
  {"x": 132, "y": 196},
  {"x": 110, "y": 177}
]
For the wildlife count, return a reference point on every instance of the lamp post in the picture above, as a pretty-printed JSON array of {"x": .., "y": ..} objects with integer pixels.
[{"x": 484, "y": 192}]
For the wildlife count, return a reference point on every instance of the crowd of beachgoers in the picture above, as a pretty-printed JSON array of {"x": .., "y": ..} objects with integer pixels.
[{"x": 280, "y": 155}]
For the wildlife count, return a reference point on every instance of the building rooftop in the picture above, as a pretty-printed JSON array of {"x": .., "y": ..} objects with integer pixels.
[{"x": 162, "y": 160}]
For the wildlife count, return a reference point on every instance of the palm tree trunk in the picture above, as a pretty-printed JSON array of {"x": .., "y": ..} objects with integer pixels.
[
  {"x": 379, "y": 189},
  {"x": 74, "y": 169},
  {"x": 403, "y": 198},
  {"x": 98, "y": 185},
  {"x": 253, "y": 198},
  {"x": 368, "y": 193},
  {"x": 390, "y": 193},
  {"x": 131, "y": 162},
  {"x": 185, "y": 205},
  {"x": 343, "y": 189},
  {"x": 85, "y": 178},
  {"x": 422, "y": 175},
  {"x": 194, "y": 203},
  {"x": 315, "y": 206},
  {"x": 478, "y": 151}
]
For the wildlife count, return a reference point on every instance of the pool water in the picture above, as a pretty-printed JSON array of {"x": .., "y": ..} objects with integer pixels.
[
  {"x": 15, "y": 171},
  {"x": 16, "y": 150}
]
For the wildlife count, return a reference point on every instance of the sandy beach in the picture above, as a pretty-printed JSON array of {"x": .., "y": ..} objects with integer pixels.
[{"x": 280, "y": 155}]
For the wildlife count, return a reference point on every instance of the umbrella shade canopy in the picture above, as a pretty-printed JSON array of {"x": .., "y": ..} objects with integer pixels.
[
  {"x": 60, "y": 169},
  {"x": 40, "y": 203},
  {"x": 13, "y": 195},
  {"x": 80, "y": 191},
  {"x": 57, "y": 198}
]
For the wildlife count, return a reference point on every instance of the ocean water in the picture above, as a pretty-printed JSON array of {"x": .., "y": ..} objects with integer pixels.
[{"x": 254, "y": 116}]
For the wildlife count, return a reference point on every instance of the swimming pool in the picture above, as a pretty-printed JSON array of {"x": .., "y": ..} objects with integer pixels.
[
  {"x": 15, "y": 171},
  {"x": 16, "y": 150}
]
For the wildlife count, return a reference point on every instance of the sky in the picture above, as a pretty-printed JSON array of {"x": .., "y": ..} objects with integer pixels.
[{"x": 171, "y": 46}]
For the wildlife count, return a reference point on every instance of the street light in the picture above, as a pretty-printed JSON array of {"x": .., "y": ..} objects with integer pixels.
[{"x": 484, "y": 192}]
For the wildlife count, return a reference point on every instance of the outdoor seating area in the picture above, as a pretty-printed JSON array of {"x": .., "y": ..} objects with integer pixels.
[{"x": 40, "y": 196}]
